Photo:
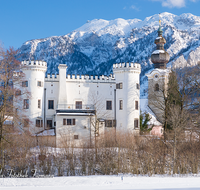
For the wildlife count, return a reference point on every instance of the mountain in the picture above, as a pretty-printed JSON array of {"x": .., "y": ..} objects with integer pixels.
[{"x": 95, "y": 46}]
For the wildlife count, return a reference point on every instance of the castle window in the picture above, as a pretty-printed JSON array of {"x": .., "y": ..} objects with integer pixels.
[
  {"x": 136, "y": 105},
  {"x": 51, "y": 104},
  {"x": 26, "y": 103},
  {"x": 64, "y": 122},
  {"x": 119, "y": 85},
  {"x": 121, "y": 104},
  {"x": 39, "y": 104},
  {"x": 39, "y": 83},
  {"x": 137, "y": 85},
  {"x": 49, "y": 123},
  {"x": 18, "y": 92},
  {"x": 136, "y": 123},
  {"x": 71, "y": 122},
  {"x": 75, "y": 136},
  {"x": 39, "y": 123},
  {"x": 24, "y": 83},
  {"x": 110, "y": 123},
  {"x": 78, "y": 104},
  {"x": 156, "y": 88},
  {"x": 108, "y": 105}
]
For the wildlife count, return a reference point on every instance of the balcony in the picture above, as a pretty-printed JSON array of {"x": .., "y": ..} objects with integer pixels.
[{"x": 75, "y": 109}]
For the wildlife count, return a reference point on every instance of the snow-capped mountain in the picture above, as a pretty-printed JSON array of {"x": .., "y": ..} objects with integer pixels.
[{"x": 95, "y": 46}]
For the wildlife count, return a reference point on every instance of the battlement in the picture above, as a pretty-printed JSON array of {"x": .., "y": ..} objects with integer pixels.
[
  {"x": 83, "y": 78},
  {"x": 34, "y": 63},
  {"x": 126, "y": 65}
]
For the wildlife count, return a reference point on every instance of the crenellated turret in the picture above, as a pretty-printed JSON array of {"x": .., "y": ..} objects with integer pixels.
[
  {"x": 127, "y": 76},
  {"x": 33, "y": 102}
]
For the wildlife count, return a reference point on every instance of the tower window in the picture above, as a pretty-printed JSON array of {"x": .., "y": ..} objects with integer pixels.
[
  {"x": 121, "y": 104},
  {"x": 75, "y": 136},
  {"x": 51, "y": 104},
  {"x": 137, "y": 86},
  {"x": 39, "y": 83},
  {"x": 136, "y": 123},
  {"x": 26, "y": 103},
  {"x": 25, "y": 84},
  {"x": 136, "y": 105},
  {"x": 39, "y": 104},
  {"x": 109, "y": 105},
  {"x": 156, "y": 88}
]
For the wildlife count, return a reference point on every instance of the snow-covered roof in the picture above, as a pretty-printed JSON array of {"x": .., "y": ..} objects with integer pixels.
[
  {"x": 158, "y": 51},
  {"x": 144, "y": 108}
]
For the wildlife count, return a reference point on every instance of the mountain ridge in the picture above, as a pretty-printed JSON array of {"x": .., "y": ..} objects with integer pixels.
[{"x": 95, "y": 46}]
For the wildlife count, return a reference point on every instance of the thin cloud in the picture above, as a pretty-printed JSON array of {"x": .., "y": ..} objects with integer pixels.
[
  {"x": 174, "y": 3},
  {"x": 134, "y": 8}
]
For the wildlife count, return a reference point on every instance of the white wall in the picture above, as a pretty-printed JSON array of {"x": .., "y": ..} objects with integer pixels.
[{"x": 91, "y": 91}]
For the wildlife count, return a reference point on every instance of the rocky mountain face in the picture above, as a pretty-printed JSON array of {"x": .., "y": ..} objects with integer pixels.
[{"x": 95, "y": 46}]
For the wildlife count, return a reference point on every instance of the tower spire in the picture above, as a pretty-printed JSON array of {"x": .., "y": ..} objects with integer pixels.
[
  {"x": 160, "y": 29},
  {"x": 160, "y": 57},
  {"x": 159, "y": 20}
]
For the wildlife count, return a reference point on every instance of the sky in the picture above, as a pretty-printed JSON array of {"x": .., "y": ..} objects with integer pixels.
[{"x": 23, "y": 20}]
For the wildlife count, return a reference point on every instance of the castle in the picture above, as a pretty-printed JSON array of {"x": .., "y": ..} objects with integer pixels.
[{"x": 81, "y": 106}]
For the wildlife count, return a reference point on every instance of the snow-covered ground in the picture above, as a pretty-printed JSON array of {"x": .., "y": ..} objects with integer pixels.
[{"x": 101, "y": 182}]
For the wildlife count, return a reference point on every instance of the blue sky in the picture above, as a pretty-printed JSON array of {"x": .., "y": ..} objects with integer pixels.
[{"x": 23, "y": 20}]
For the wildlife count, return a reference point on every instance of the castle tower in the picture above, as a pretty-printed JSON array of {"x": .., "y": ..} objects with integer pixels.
[
  {"x": 158, "y": 78},
  {"x": 62, "y": 95},
  {"x": 33, "y": 93},
  {"x": 127, "y": 77}
]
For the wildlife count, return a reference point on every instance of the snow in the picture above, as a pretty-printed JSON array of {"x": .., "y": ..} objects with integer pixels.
[
  {"x": 49, "y": 132},
  {"x": 144, "y": 108},
  {"x": 101, "y": 182},
  {"x": 158, "y": 51},
  {"x": 104, "y": 41}
]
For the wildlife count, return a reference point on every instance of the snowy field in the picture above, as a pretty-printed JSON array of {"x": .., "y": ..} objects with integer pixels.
[{"x": 101, "y": 182}]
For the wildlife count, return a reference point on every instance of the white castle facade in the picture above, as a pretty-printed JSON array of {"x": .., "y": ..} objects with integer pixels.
[{"x": 81, "y": 106}]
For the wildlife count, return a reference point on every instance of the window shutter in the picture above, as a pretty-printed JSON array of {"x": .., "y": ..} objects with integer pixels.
[{"x": 74, "y": 122}]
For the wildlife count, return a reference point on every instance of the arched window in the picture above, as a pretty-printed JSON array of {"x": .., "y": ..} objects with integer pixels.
[{"x": 156, "y": 87}]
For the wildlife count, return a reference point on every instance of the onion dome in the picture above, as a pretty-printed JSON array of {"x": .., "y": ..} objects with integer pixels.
[{"x": 160, "y": 57}]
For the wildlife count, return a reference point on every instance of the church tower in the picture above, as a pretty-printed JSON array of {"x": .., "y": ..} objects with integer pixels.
[{"x": 158, "y": 78}]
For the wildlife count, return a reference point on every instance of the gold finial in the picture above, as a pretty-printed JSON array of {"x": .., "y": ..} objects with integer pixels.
[{"x": 159, "y": 19}]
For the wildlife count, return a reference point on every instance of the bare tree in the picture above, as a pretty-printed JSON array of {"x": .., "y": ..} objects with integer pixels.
[{"x": 9, "y": 74}]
